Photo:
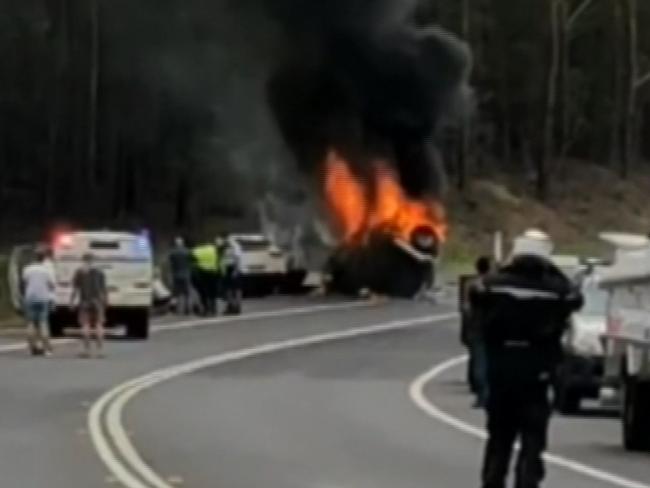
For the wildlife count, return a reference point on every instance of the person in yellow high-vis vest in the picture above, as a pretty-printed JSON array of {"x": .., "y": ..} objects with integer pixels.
[{"x": 206, "y": 258}]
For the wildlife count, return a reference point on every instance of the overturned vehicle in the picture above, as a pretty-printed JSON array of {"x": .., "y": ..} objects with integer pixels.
[
  {"x": 385, "y": 264},
  {"x": 389, "y": 241},
  {"x": 359, "y": 106}
]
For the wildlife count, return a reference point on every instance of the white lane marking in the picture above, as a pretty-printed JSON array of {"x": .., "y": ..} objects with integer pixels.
[
  {"x": 103, "y": 448},
  {"x": 189, "y": 324},
  {"x": 282, "y": 312},
  {"x": 416, "y": 392},
  {"x": 21, "y": 346},
  {"x": 105, "y": 420}
]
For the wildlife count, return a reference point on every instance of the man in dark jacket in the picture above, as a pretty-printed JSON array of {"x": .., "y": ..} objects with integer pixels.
[
  {"x": 525, "y": 309},
  {"x": 474, "y": 333},
  {"x": 180, "y": 266}
]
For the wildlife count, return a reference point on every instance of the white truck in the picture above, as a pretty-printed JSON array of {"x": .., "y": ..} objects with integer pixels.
[
  {"x": 125, "y": 258},
  {"x": 627, "y": 339}
]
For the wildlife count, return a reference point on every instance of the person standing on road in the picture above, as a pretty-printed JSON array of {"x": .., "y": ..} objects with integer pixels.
[
  {"x": 207, "y": 269},
  {"x": 38, "y": 282},
  {"x": 475, "y": 339},
  {"x": 180, "y": 265},
  {"x": 221, "y": 244},
  {"x": 231, "y": 262},
  {"x": 525, "y": 307},
  {"x": 90, "y": 295}
]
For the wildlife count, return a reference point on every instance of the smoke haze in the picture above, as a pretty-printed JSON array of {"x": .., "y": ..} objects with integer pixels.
[
  {"x": 359, "y": 76},
  {"x": 253, "y": 78}
]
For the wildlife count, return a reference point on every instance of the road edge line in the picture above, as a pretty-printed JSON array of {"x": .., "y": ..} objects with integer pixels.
[{"x": 196, "y": 323}]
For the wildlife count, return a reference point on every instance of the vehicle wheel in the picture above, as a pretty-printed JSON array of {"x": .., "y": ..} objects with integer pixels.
[
  {"x": 233, "y": 309},
  {"x": 265, "y": 288},
  {"x": 57, "y": 326},
  {"x": 636, "y": 415},
  {"x": 292, "y": 282},
  {"x": 567, "y": 400},
  {"x": 137, "y": 326}
]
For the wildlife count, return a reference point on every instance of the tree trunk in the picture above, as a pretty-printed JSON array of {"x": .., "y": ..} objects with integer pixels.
[
  {"x": 504, "y": 100},
  {"x": 61, "y": 46},
  {"x": 181, "y": 207},
  {"x": 617, "y": 110},
  {"x": 629, "y": 152},
  {"x": 565, "y": 130},
  {"x": 548, "y": 151},
  {"x": 466, "y": 130},
  {"x": 93, "y": 94},
  {"x": 4, "y": 157}
]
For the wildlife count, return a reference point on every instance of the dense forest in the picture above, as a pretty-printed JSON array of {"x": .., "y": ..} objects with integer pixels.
[{"x": 155, "y": 111}]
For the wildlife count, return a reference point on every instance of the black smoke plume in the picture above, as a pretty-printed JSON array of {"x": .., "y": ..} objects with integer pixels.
[{"x": 361, "y": 77}]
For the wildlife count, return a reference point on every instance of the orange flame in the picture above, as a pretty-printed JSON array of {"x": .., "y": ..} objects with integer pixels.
[
  {"x": 346, "y": 196},
  {"x": 359, "y": 211}
]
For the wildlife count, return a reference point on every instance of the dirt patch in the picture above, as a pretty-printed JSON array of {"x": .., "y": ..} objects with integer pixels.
[{"x": 586, "y": 200}]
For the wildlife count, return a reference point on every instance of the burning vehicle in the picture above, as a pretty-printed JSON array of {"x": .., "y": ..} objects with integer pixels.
[
  {"x": 359, "y": 97},
  {"x": 389, "y": 241}
]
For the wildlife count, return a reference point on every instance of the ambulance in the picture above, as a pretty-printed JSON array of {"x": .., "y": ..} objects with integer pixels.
[{"x": 125, "y": 258}]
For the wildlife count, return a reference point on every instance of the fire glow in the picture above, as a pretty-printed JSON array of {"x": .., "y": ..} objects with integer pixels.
[{"x": 359, "y": 211}]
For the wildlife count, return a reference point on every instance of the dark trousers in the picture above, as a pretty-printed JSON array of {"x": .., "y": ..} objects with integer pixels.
[
  {"x": 208, "y": 282},
  {"x": 232, "y": 294},
  {"x": 478, "y": 372},
  {"x": 182, "y": 288},
  {"x": 522, "y": 414}
]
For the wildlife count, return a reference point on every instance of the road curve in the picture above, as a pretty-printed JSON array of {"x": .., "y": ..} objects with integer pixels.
[
  {"x": 43, "y": 435},
  {"x": 332, "y": 414},
  {"x": 335, "y": 414}
]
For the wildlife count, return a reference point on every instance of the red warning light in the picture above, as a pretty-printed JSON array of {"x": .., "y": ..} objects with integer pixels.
[{"x": 63, "y": 240}]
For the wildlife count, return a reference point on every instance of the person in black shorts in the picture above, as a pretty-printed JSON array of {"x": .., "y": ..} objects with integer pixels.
[{"x": 90, "y": 296}]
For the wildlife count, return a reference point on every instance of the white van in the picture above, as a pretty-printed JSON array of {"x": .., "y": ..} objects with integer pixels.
[{"x": 125, "y": 258}]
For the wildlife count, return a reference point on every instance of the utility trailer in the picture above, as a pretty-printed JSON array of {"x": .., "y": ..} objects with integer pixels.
[
  {"x": 627, "y": 340},
  {"x": 627, "y": 360}
]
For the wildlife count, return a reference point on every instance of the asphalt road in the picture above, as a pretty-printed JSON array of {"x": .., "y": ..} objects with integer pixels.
[{"x": 328, "y": 414}]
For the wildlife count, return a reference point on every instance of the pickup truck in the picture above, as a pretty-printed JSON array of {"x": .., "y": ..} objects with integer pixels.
[{"x": 580, "y": 375}]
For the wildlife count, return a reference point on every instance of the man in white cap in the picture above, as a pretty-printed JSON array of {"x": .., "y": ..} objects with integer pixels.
[
  {"x": 525, "y": 307},
  {"x": 533, "y": 242}
]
